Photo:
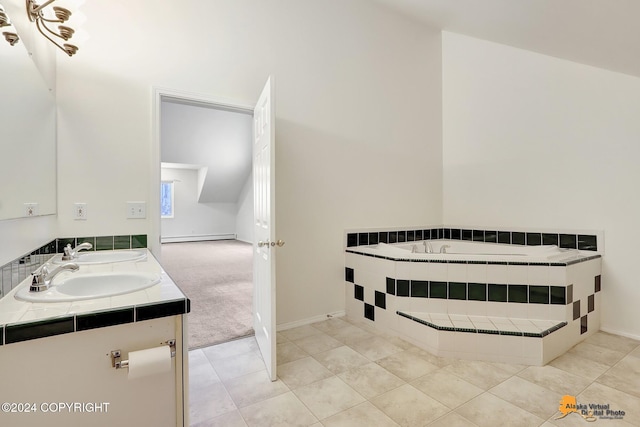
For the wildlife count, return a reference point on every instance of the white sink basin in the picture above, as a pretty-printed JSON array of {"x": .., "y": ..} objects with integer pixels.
[
  {"x": 89, "y": 286},
  {"x": 103, "y": 257}
]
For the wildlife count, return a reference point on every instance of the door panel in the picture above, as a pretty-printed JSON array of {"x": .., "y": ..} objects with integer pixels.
[{"x": 264, "y": 296}]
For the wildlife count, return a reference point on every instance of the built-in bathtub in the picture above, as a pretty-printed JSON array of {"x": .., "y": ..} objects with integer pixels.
[{"x": 486, "y": 301}]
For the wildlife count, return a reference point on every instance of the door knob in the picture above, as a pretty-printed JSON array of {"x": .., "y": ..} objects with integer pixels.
[{"x": 280, "y": 243}]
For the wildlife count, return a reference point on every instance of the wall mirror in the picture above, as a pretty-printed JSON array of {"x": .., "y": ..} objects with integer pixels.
[{"x": 27, "y": 136}]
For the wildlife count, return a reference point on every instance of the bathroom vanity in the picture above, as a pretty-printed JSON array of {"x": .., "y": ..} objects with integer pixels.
[{"x": 63, "y": 357}]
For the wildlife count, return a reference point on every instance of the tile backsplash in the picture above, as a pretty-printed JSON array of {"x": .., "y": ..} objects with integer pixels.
[
  {"x": 586, "y": 242},
  {"x": 14, "y": 272}
]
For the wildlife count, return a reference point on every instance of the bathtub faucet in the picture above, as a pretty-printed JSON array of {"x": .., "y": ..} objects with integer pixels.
[
  {"x": 427, "y": 247},
  {"x": 443, "y": 249},
  {"x": 70, "y": 254},
  {"x": 42, "y": 277}
]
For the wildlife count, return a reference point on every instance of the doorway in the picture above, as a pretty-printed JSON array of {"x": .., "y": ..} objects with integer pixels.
[{"x": 206, "y": 233}]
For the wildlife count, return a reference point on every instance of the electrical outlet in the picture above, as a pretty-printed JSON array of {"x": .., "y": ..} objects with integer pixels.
[
  {"x": 80, "y": 211},
  {"x": 136, "y": 210},
  {"x": 31, "y": 209}
]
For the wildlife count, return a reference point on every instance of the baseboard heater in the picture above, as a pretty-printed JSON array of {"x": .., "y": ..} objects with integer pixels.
[{"x": 197, "y": 238}]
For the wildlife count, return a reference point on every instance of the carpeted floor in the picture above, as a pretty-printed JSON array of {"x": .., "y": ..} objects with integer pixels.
[{"x": 217, "y": 277}]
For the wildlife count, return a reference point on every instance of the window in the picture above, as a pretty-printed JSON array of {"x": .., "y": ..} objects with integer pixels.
[{"x": 166, "y": 199}]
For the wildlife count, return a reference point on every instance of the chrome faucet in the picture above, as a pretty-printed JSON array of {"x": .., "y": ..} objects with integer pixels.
[
  {"x": 427, "y": 247},
  {"x": 42, "y": 277},
  {"x": 443, "y": 249},
  {"x": 70, "y": 254}
]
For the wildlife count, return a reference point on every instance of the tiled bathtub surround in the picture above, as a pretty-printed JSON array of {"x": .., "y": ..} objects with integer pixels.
[
  {"x": 586, "y": 241},
  {"x": 468, "y": 309},
  {"x": 14, "y": 272}
]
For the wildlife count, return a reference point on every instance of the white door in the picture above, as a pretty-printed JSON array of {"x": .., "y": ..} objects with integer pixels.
[{"x": 264, "y": 259}]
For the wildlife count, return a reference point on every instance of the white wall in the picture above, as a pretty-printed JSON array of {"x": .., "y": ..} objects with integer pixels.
[
  {"x": 193, "y": 220},
  {"x": 358, "y": 120},
  {"x": 535, "y": 141},
  {"x": 244, "y": 215}
]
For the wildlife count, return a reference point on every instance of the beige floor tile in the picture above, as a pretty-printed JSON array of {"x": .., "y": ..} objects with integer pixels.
[
  {"x": 231, "y": 348},
  {"x": 332, "y": 324},
  {"x": 328, "y": 397},
  {"x": 375, "y": 348},
  {"x": 210, "y": 402},
  {"x": 406, "y": 365},
  {"x": 575, "y": 420},
  {"x": 239, "y": 365},
  {"x": 636, "y": 352},
  {"x": 488, "y": 410},
  {"x": 480, "y": 374},
  {"x": 430, "y": 357},
  {"x": 365, "y": 414},
  {"x": 230, "y": 419},
  {"x": 397, "y": 341},
  {"x": 201, "y": 372},
  {"x": 288, "y": 352},
  {"x": 317, "y": 343},
  {"x": 508, "y": 367},
  {"x": 528, "y": 396},
  {"x": 409, "y": 407},
  {"x": 285, "y": 410},
  {"x": 555, "y": 379},
  {"x": 447, "y": 388},
  {"x": 629, "y": 384},
  {"x": 618, "y": 342},
  {"x": 370, "y": 380},
  {"x": 630, "y": 364},
  {"x": 280, "y": 338},
  {"x": 350, "y": 334},
  {"x": 300, "y": 332},
  {"x": 452, "y": 420},
  {"x": 302, "y": 372},
  {"x": 604, "y": 355},
  {"x": 253, "y": 388},
  {"x": 618, "y": 400},
  {"x": 589, "y": 369},
  {"x": 340, "y": 359}
]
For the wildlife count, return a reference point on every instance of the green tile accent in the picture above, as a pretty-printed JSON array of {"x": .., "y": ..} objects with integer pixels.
[
  {"x": 122, "y": 242},
  {"x": 518, "y": 293},
  {"x": 457, "y": 290},
  {"x": 64, "y": 242},
  {"x": 138, "y": 241},
  {"x": 104, "y": 243},
  {"x": 477, "y": 292},
  {"x": 91, "y": 240}
]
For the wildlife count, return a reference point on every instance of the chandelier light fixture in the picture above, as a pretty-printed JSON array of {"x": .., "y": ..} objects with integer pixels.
[
  {"x": 10, "y": 36},
  {"x": 38, "y": 14}
]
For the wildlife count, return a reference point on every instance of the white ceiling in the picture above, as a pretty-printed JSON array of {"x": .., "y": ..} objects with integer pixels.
[
  {"x": 601, "y": 33},
  {"x": 215, "y": 141}
]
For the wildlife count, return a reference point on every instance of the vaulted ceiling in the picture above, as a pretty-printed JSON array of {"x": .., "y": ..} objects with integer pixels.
[
  {"x": 601, "y": 33},
  {"x": 214, "y": 141}
]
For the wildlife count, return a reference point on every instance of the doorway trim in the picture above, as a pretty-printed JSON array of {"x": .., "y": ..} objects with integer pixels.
[{"x": 159, "y": 94}]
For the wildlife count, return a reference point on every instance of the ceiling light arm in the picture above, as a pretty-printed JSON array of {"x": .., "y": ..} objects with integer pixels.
[
  {"x": 33, "y": 10},
  {"x": 36, "y": 14},
  {"x": 69, "y": 49}
]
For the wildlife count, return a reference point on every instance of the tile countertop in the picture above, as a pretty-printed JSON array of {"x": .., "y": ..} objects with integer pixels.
[{"x": 159, "y": 300}]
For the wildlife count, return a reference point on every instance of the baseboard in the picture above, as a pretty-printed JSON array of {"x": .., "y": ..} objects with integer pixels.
[
  {"x": 307, "y": 321},
  {"x": 622, "y": 334},
  {"x": 197, "y": 238}
]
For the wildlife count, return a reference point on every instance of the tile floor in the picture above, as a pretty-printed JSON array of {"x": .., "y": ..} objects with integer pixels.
[{"x": 342, "y": 372}]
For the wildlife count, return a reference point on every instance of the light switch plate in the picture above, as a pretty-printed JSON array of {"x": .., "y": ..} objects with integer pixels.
[
  {"x": 136, "y": 210},
  {"x": 80, "y": 211},
  {"x": 31, "y": 209}
]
